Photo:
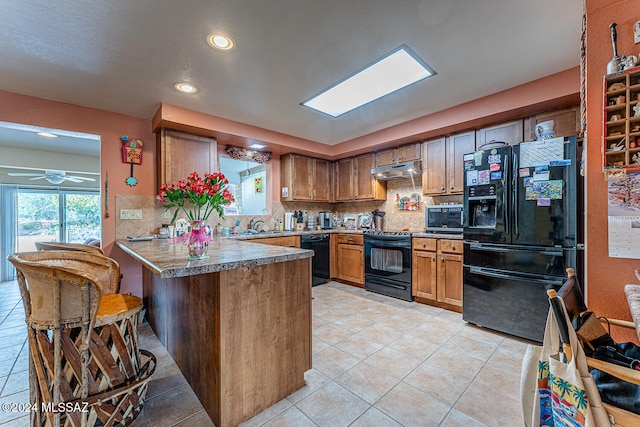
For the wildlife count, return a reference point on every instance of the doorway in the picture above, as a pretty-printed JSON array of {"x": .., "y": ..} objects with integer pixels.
[
  {"x": 49, "y": 180},
  {"x": 56, "y": 216}
]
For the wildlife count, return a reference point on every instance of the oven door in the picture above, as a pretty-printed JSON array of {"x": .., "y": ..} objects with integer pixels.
[{"x": 388, "y": 257}]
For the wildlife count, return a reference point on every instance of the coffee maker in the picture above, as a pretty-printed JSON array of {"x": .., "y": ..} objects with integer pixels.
[{"x": 326, "y": 220}]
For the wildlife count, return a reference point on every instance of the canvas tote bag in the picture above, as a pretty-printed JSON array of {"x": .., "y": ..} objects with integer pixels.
[{"x": 564, "y": 394}]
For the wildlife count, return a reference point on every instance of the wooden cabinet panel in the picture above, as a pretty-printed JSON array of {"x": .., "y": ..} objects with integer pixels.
[
  {"x": 366, "y": 186},
  {"x": 401, "y": 154},
  {"x": 322, "y": 180},
  {"x": 301, "y": 186},
  {"x": 289, "y": 241},
  {"x": 350, "y": 263},
  {"x": 424, "y": 282},
  {"x": 425, "y": 244},
  {"x": 457, "y": 146},
  {"x": 344, "y": 180},
  {"x": 433, "y": 169},
  {"x": 409, "y": 152},
  {"x": 450, "y": 279},
  {"x": 566, "y": 122},
  {"x": 306, "y": 178},
  {"x": 512, "y": 133},
  {"x": 355, "y": 182},
  {"x": 437, "y": 274},
  {"x": 178, "y": 154},
  {"x": 450, "y": 246},
  {"x": 386, "y": 157},
  {"x": 350, "y": 239}
]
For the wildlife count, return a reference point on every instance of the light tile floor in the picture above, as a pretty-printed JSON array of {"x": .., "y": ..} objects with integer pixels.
[{"x": 377, "y": 361}]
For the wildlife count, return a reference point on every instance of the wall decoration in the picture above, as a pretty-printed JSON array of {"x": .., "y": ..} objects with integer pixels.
[
  {"x": 239, "y": 153},
  {"x": 257, "y": 185},
  {"x": 624, "y": 216},
  {"x": 132, "y": 154},
  {"x": 408, "y": 203}
]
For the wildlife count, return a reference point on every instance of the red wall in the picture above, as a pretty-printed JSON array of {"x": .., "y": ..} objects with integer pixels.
[
  {"x": 110, "y": 127},
  {"x": 605, "y": 276}
]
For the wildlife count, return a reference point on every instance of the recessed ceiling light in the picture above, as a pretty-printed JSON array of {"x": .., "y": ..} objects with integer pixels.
[
  {"x": 185, "y": 87},
  {"x": 47, "y": 134},
  {"x": 257, "y": 146},
  {"x": 395, "y": 70},
  {"x": 220, "y": 41}
]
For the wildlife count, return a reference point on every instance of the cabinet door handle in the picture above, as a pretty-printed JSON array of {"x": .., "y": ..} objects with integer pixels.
[
  {"x": 424, "y": 245},
  {"x": 442, "y": 259},
  {"x": 452, "y": 187},
  {"x": 453, "y": 247},
  {"x": 350, "y": 239},
  {"x": 442, "y": 188}
]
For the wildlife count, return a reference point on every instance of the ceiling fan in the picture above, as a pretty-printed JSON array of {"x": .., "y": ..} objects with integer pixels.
[{"x": 53, "y": 176}]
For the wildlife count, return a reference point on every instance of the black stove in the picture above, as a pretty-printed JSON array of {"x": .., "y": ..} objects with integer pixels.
[{"x": 388, "y": 263}]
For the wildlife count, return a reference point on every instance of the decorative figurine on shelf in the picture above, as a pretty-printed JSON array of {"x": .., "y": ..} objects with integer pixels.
[
  {"x": 628, "y": 62},
  {"x": 131, "y": 153},
  {"x": 636, "y": 110},
  {"x": 636, "y": 158}
]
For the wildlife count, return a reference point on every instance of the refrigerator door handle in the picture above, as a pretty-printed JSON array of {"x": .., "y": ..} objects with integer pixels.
[
  {"x": 514, "y": 194},
  {"x": 546, "y": 251},
  {"x": 482, "y": 272},
  {"x": 505, "y": 181}
]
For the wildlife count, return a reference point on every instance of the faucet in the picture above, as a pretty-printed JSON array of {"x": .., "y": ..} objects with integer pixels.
[{"x": 253, "y": 223}]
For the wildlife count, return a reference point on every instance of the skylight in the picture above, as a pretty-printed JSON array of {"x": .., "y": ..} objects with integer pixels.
[{"x": 395, "y": 70}]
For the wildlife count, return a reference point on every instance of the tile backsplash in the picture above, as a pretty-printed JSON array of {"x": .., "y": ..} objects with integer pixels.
[{"x": 395, "y": 219}]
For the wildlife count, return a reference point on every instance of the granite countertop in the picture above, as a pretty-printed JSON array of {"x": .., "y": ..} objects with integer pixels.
[
  {"x": 262, "y": 235},
  {"x": 170, "y": 259}
]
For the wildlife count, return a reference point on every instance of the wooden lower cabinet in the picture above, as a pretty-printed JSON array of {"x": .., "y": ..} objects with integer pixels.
[
  {"x": 347, "y": 258},
  {"x": 289, "y": 241},
  {"x": 437, "y": 272}
]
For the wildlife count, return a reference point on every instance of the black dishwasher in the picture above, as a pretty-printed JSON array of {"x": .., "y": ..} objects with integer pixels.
[{"x": 318, "y": 243}]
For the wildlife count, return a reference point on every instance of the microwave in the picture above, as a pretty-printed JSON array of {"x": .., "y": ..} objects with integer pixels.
[{"x": 444, "y": 218}]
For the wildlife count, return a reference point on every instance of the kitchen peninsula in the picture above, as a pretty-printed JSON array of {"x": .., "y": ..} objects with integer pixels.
[{"x": 237, "y": 324}]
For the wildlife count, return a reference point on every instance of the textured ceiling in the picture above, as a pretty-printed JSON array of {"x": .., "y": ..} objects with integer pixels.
[{"x": 125, "y": 56}]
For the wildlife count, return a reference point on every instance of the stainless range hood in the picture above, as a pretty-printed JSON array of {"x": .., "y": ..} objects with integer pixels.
[{"x": 401, "y": 170}]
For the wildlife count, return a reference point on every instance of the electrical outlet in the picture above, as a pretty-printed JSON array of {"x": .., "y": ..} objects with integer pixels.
[
  {"x": 636, "y": 32},
  {"x": 130, "y": 214},
  {"x": 166, "y": 214}
]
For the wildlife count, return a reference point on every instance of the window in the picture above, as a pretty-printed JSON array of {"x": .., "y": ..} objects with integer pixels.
[
  {"x": 248, "y": 184},
  {"x": 56, "y": 216}
]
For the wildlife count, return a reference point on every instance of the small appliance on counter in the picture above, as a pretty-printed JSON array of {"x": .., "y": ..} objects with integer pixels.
[
  {"x": 444, "y": 218},
  {"x": 289, "y": 221},
  {"x": 326, "y": 220},
  {"x": 350, "y": 221}
]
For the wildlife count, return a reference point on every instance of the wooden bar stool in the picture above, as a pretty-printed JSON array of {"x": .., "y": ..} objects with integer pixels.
[
  {"x": 83, "y": 343},
  {"x": 77, "y": 258},
  {"x": 60, "y": 246}
]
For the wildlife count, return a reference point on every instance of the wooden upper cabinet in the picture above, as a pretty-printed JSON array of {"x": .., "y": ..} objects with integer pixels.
[
  {"x": 434, "y": 167},
  {"x": 386, "y": 157},
  {"x": 306, "y": 178},
  {"x": 409, "y": 152},
  {"x": 366, "y": 186},
  {"x": 322, "y": 180},
  {"x": 300, "y": 188},
  {"x": 566, "y": 122},
  {"x": 511, "y": 132},
  {"x": 344, "y": 180},
  {"x": 457, "y": 146},
  {"x": 179, "y": 154},
  {"x": 404, "y": 153}
]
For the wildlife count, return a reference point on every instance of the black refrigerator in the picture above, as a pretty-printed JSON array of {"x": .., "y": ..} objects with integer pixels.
[{"x": 520, "y": 233}]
